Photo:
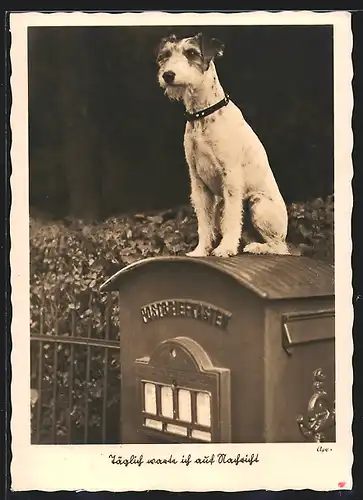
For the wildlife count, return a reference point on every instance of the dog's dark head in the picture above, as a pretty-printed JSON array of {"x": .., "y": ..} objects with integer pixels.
[
  {"x": 199, "y": 49},
  {"x": 183, "y": 62}
]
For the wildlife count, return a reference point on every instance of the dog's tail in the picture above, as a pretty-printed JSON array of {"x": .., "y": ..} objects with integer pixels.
[
  {"x": 280, "y": 248},
  {"x": 301, "y": 249}
]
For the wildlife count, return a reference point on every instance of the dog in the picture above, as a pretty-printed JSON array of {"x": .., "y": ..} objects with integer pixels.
[{"x": 227, "y": 162}]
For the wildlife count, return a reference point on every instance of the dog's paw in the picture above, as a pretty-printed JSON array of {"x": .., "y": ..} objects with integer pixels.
[
  {"x": 257, "y": 248},
  {"x": 198, "y": 252},
  {"x": 265, "y": 248},
  {"x": 223, "y": 251}
]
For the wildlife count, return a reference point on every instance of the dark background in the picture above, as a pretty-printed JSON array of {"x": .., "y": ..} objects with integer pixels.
[{"x": 105, "y": 140}]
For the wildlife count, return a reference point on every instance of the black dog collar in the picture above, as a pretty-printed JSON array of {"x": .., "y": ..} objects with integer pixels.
[{"x": 191, "y": 117}]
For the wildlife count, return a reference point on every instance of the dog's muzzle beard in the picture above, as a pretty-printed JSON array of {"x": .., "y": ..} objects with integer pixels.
[
  {"x": 174, "y": 83},
  {"x": 175, "y": 92},
  {"x": 172, "y": 90}
]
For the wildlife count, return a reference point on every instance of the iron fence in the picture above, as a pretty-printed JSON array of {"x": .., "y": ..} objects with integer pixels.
[{"x": 75, "y": 371}]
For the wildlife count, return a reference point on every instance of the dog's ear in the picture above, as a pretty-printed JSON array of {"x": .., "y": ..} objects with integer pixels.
[{"x": 211, "y": 48}]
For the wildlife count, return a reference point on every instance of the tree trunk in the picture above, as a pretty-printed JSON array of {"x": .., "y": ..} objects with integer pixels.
[{"x": 78, "y": 135}]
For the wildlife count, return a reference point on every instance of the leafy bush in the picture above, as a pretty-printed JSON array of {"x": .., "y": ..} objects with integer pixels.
[{"x": 70, "y": 259}]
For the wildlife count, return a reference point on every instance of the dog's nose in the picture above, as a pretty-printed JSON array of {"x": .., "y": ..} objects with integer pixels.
[{"x": 169, "y": 76}]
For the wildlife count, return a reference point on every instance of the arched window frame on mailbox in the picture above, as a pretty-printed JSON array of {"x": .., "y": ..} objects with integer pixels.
[{"x": 181, "y": 364}]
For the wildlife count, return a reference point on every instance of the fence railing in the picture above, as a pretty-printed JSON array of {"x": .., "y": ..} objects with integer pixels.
[{"x": 75, "y": 372}]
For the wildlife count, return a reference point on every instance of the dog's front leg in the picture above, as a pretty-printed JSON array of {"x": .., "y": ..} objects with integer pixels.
[
  {"x": 231, "y": 224},
  {"x": 204, "y": 205}
]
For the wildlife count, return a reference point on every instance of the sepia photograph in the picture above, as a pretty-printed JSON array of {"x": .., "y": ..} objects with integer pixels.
[{"x": 184, "y": 226}]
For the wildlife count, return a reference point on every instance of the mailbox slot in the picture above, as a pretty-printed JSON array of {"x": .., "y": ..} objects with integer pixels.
[{"x": 306, "y": 327}]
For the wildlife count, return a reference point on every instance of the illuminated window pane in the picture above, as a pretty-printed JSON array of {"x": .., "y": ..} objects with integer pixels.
[
  {"x": 176, "y": 429},
  {"x": 154, "y": 424},
  {"x": 150, "y": 398},
  {"x": 167, "y": 401},
  {"x": 203, "y": 436},
  {"x": 185, "y": 405},
  {"x": 203, "y": 409}
]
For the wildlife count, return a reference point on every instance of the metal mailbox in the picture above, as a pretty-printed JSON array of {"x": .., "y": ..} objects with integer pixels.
[{"x": 226, "y": 350}]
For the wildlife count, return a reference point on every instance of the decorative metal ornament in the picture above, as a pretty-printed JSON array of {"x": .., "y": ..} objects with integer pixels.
[{"x": 321, "y": 413}]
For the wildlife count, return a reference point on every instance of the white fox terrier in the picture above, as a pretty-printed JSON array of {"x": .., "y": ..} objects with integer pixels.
[{"x": 225, "y": 157}]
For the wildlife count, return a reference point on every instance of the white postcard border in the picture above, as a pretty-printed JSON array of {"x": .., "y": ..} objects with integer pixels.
[{"x": 281, "y": 466}]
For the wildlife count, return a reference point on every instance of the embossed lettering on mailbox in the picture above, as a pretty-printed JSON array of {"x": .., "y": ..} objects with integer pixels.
[{"x": 201, "y": 311}]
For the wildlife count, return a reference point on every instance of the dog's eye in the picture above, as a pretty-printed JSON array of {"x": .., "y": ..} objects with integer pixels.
[
  {"x": 163, "y": 55},
  {"x": 191, "y": 53}
]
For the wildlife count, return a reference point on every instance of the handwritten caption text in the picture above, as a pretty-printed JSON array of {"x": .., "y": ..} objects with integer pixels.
[{"x": 214, "y": 458}]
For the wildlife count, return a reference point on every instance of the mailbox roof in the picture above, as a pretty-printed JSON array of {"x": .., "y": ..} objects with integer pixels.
[{"x": 268, "y": 276}]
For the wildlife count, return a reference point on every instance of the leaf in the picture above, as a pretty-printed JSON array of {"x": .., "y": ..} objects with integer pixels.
[{"x": 155, "y": 219}]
